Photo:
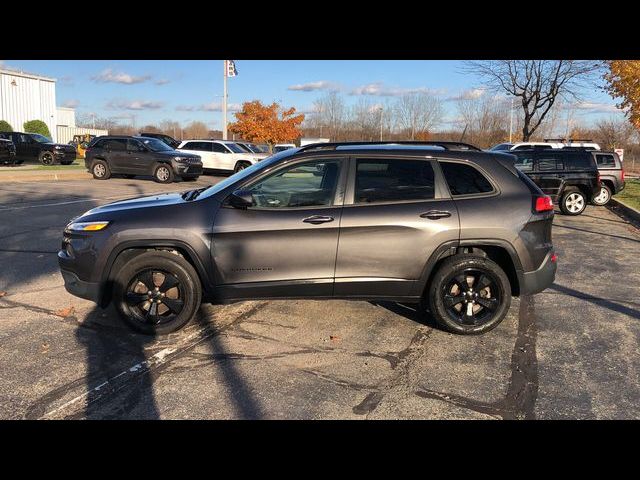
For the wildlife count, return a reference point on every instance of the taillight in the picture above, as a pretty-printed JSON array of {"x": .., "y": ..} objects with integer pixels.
[
  {"x": 622, "y": 174},
  {"x": 543, "y": 204}
]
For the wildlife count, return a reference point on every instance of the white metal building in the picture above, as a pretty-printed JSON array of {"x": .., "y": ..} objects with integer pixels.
[{"x": 25, "y": 96}]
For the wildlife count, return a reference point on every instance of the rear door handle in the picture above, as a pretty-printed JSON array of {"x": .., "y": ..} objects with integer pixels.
[
  {"x": 435, "y": 214},
  {"x": 318, "y": 219}
]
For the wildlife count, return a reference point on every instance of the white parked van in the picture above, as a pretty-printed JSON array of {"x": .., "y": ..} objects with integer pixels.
[{"x": 221, "y": 154}]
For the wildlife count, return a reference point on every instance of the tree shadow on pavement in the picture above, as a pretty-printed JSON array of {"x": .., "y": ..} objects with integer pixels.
[{"x": 601, "y": 302}]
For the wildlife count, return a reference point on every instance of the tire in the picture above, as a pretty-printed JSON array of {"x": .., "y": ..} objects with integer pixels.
[
  {"x": 46, "y": 158},
  {"x": 573, "y": 202},
  {"x": 603, "y": 197},
  {"x": 446, "y": 294},
  {"x": 163, "y": 173},
  {"x": 174, "y": 309},
  {"x": 100, "y": 170},
  {"x": 241, "y": 166}
]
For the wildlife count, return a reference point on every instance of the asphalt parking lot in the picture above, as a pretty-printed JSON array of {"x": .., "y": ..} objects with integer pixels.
[{"x": 569, "y": 352}]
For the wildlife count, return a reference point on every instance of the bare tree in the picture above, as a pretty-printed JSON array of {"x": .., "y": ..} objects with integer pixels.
[
  {"x": 196, "y": 130},
  {"x": 365, "y": 119},
  {"x": 417, "y": 113},
  {"x": 331, "y": 112},
  {"x": 537, "y": 83},
  {"x": 614, "y": 133},
  {"x": 485, "y": 119}
]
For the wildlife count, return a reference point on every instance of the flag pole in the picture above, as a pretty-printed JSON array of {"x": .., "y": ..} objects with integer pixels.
[{"x": 224, "y": 103}]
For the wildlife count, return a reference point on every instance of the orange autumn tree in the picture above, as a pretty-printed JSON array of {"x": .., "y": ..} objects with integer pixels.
[
  {"x": 268, "y": 124},
  {"x": 623, "y": 82}
]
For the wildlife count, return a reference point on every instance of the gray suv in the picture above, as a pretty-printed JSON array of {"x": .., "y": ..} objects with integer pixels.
[
  {"x": 444, "y": 225},
  {"x": 611, "y": 176}
]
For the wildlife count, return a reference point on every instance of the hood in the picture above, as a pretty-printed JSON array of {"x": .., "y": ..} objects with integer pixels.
[
  {"x": 177, "y": 153},
  {"x": 151, "y": 201},
  {"x": 63, "y": 146}
]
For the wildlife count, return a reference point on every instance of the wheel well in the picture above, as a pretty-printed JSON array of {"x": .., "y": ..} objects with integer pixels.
[
  {"x": 608, "y": 183},
  {"x": 579, "y": 188},
  {"x": 128, "y": 254},
  {"x": 498, "y": 254}
]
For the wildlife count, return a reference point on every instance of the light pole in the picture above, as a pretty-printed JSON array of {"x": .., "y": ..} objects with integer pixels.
[
  {"x": 511, "y": 121},
  {"x": 224, "y": 103},
  {"x": 381, "y": 109}
]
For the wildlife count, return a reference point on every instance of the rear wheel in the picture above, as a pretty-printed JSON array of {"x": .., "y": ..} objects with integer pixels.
[
  {"x": 100, "y": 170},
  {"x": 157, "y": 292},
  {"x": 469, "y": 295},
  {"x": 163, "y": 174},
  {"x": 573, "y": 202},
  {"x": 241, "y": 166},
  {"x": 46, "y": 158},
  {"x": 603, "y": 197}
]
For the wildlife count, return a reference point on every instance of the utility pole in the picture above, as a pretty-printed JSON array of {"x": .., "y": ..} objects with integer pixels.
[
  {"x": 381, "y": 123},
  {"x": 224, "y": 102},
  {"x": 511, "y": 121}
]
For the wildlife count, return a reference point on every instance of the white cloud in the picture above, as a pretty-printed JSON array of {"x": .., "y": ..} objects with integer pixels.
[
  {"x": 109, "y": 76},
  {"x": 162, "y": 81},
  {"x": 380, "y": 90},
  {"x": 134, "y": 105},
  {"x": 313, "y": 86},
  {"x": 72, "y": 103},
  {"x": 470, "y": 94},
  {"x": 596, "y": 107},
  {"x": 209, "y": 107}
]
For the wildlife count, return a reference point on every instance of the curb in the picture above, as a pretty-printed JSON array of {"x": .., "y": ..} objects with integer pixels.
[
  {"x": 43, "y": 176},
  {"x": 625, "y": 211}
]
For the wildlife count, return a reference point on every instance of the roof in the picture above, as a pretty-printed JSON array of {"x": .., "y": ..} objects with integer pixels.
[{"x": 20, "y": 73}]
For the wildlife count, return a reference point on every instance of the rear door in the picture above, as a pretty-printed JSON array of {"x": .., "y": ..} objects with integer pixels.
[
  {"x": 116, "y": 154},
  {"x": 549, "y": 172},
  {"x": 140, "y": 159},
  {"x": 396, "y": 214}
]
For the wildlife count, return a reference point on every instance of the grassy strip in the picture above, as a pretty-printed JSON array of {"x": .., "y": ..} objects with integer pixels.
[{"x": 631, "y": 194}]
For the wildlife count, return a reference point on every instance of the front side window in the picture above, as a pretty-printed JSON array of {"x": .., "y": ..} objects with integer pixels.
[
  {"x": 134, "y": 146},
  {"x": 393, "y": 180},
  {"x": 156, "y": 145},
  {"x": 40, "y": 138},
  {"x": 115, "y": 144},
  {"x": 309, "y": 184},
  {"x": 219, "y": 148},
  {"x": 464, "y": 179}
]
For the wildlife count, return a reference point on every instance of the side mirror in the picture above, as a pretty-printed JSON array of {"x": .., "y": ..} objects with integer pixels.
[{"x": 241, "y": 199}]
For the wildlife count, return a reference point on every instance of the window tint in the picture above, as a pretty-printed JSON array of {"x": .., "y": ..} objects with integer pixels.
[
  {"x": 189, "y": 146},
  {"x": 117, "y": 144},
  {"x": 464, "y": 179},
  {"x": 524, "y": 162},
  {"x": 579, "y": 162},
  {"x": 550, "y": 162},
  {"x": 310, "y": 184},
  {"x": 393, "y": 180},
  {"x": 605, "y": 160},
  {"x": 134, "y": 146},
  {"x": 219, "y": 148}
]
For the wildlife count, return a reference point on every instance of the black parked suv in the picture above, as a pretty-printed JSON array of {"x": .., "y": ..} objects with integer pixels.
[
  {"x": 33, "y": 146},
  {"x": 172, "y": 142},
  {"x": 133, "y": 156},
  {"x": 568, "y": 175},
  {"x": 611, "y": 176},
  {"x": 440, "y": 224},
  {"x": 8, "y": 152}
]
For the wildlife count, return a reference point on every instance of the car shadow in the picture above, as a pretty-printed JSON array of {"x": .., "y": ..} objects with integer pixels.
[
  {"x": 599, "y": 301},
  {"x": 597, "y": 233},
  {"x": 409, "y": 311}
]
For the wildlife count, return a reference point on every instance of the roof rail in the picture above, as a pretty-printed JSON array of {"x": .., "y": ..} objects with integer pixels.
[
  {"x": 445, "y": 145},
  {"x": 580, "y": 140},
  {"x": 556, "y": 140}
]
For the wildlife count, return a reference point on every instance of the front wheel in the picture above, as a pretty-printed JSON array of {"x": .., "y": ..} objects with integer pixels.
[
  {"x": 46, "y": 158},
  {"x": 163, "y": 174},
  {"x": 573, "y": 202},
  {"x": 157, "y": 292},
  {"x": 603, "y": 197},
  {"x": 469, "y": 294}
]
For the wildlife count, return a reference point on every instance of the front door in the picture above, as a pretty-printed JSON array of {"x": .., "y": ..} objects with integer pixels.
[
  {"x": 140, "y": 159},
  {"x": 285, "y": 244},
  {"x": 396, "y": 215},
  {"x": 117, "y": 154}
]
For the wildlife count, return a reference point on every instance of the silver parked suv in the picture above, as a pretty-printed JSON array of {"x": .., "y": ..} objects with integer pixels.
[{"x": 446, "y": 225}]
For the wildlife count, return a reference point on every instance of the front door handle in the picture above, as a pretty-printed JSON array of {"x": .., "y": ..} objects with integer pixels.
[
  {"x": 318, "y": 219},
  {"x": 435, "y": 214}
]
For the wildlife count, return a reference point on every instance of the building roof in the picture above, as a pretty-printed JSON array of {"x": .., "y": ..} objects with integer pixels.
[{"x": 20, "y": 73}]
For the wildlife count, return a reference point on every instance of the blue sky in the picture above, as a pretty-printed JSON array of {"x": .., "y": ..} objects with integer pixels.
[{"x": 191, "y": 90}]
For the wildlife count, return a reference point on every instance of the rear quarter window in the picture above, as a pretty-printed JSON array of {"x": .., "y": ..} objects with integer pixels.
[
  {"x": 579, "y": 162},
  {"x": 464, "y": 179}
]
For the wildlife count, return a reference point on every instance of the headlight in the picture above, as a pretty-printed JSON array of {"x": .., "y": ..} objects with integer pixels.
[
  {"x": 87, "y": 226},
  {"x": 58, "y": 147}
]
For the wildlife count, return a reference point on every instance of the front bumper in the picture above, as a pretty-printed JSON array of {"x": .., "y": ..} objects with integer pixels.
[
  {"x": 189, "y": 170},
  {"x": 62, "y": 156},
  {"x": 537, "y": 280},
  {"x": 80, "y": 288}
]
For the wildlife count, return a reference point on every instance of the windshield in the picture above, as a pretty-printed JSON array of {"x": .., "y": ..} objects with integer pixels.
[
  {"x": 235, "y": 148},
  {"x": 156, "y": 145},
  {"x": 502, "y": 146},
  {"x": 40, "y": 138},
  {"x": 236, "y": 177},
  {"x": 245, "y": 147}
]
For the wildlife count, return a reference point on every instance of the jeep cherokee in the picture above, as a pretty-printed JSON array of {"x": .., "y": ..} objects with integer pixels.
[{"x": 445, "y": 225}]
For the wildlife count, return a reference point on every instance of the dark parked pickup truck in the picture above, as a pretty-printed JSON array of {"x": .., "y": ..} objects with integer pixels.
[{"x": 33, "y": 146}]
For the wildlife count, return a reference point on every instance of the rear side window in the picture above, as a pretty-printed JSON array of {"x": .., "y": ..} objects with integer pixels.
[
  {"x": 464, "y": 179},
  {"x": 219, "y": 148},
  {"x": 116, "y": 144},
  {"x": 393, "y": 180},
  {"x": 548, "y": 162},
  {"x": 606, "y": 161},
  {"x": 579, "y": 162}
]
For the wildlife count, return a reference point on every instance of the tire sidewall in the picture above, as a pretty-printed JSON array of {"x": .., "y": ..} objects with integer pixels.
[
  {"x": 448, "y": 270},
  {"x": 189, "y": 282},
  {"x": 565, "y": 196},
  {"x": 158, "y": 168}
]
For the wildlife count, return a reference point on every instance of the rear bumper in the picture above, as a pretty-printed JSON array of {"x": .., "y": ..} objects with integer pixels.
[{"x": 537, "y": 280}]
